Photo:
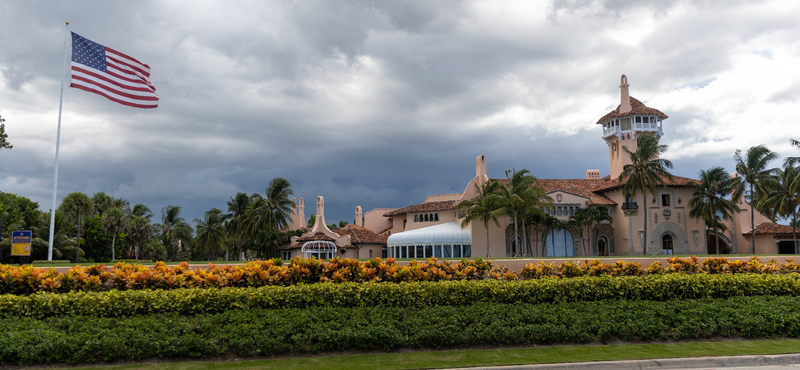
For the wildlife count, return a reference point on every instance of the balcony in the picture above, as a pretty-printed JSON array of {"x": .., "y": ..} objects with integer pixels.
[{"x": 629, "y": 206}]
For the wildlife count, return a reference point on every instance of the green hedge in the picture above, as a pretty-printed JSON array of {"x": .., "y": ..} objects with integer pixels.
[
  {"x": 116, "y": 303},
  {"x": 71, "y": 339}
]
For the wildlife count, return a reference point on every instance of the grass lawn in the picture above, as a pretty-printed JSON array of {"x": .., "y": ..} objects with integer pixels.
[{"x": 491, "y": 357}]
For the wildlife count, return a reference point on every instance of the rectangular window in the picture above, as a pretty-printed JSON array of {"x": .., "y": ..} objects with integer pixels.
[
  {"x": 646, "y": 119},
  {"x": 286, "y": 255},
  {"x": 638, "y": 119},
  {"x": 665, "y": 200}
]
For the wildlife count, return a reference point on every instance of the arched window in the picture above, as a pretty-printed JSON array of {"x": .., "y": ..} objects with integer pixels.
[
  {"x": 416, "y": 218},
  {"x": 426, "y": 217},
  {"x": 571, "y": 211},
  {"x": 666, "y": 243},
  {"x": 558, "y": 210},
  {"x": 436, "y": 217}
]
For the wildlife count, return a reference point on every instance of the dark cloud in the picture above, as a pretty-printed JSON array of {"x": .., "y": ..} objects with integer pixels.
[{"x": 375, "y": 103}]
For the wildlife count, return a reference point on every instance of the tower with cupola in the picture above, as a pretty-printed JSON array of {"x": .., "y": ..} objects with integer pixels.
[{"x": 623, "y": 125}]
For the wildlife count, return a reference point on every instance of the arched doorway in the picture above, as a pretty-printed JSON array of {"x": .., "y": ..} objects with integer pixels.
[
  {"x": 667, "y": 244},
  {"x": 602, "y": 246},
  {"x": 513, "y": 244},
  {"x": 560, "y": 243}
]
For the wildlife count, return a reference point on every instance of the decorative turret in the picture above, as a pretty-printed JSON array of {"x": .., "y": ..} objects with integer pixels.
[{"x": 622, "y": 125}]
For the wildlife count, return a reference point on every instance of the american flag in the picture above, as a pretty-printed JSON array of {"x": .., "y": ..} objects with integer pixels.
[{"x": 107, "y": 72}]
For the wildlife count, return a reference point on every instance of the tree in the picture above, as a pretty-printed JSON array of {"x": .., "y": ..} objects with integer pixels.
[
  {"x": 595, "y": 217},
  {"x": 4, "y": 144},
  {"x": 550, "y": 224},
  {"x": 753, "y": 175},
  {"x": 579, "y": 220},
  {"x": 77, "y": 204},
  {"x": 102, "y": 202},
  {"x": 211, "y": 231},
  {"x": 139, "y": 229},
  {"x": 173, "y": 228},
  {"x": 114, "y": 221},
  {"x": 645, "y": 173},
  {"x": 237, "y": 206},
  {"x": 484, "y": 207},
  {"x": 791, "y": 161},
  {"x": 708, "y": 201},
  {"x": 311, "y": 220},
  {"x": 280, "y": 203},
  {"x": 515, "y": 197},
  {"x": 784, "y": 196}
]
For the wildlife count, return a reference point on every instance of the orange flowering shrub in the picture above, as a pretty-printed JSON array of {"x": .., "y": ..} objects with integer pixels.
[{"x": 122, "y": 276}]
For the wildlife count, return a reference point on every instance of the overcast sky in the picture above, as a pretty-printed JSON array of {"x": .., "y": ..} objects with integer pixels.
[{"x": 380, "y": 104}]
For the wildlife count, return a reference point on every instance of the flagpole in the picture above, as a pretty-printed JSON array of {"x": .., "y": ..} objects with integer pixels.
[{"x": 58, "y": 143}]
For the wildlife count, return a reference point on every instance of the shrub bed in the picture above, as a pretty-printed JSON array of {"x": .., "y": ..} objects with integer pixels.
[
  {"x": 118, "y": 303},
  {"x": 71, "y": 339},
  {"x": 122, "y": 276}
]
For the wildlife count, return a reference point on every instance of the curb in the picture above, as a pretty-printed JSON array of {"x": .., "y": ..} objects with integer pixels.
[{"x": 666, "y": 363}]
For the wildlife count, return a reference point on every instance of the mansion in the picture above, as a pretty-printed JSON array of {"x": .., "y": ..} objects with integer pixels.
[{"x": 433, "y": 227}]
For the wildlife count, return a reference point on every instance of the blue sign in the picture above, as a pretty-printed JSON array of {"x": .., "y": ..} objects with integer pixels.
[{"x": 21, "y": 243}]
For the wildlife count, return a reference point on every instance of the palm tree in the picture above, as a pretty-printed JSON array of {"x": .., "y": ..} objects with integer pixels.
[
  {"x": 708, "y": 201},
  {"x": 102, "y": 202},
  {"x": 754, "y": 174},
  {"x": 77, "y": 204},
  {"x": 237, "y": 206},
  {"x": 579, "y": 220},
  {"x": 141, "y": 210},
  {"x": 784, "y": 196},
  {"x": 550, "y": 224},
  {"x": 485, "y": 207},
  {"x": 170, "y": 223},
  {"x": 211, "y": 231},
  {"x": 516, "y": 197},
  {"x": 791, "y": 161},
  {"x": 279, "y": 199},
  {"x": 114, "y": 221},
  {"x": 645, "y": 173},
  {"x": 595, "y": 217},
  {"x": 139, "y": 230}
]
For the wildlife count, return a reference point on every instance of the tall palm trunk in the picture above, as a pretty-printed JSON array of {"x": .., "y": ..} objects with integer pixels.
[
  {"x": 591, "y": 245},
  {"x": 753, "y": 222},
  {"x": 113, "y": 240},
  {"x": 78, "y": 250},
  {"x": 644, "y": 208},
  {"x": 515, "y": 252},
  {"x": 716, "y": 233},
  {"x": 525, "y": 242},
  {"x": 794, "y": 230},
  {"x": 486, "y": 225}
]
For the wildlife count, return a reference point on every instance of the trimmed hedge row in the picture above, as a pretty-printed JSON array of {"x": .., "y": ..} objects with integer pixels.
[
  {"x": 71, "y": 339},
  {"x": 117, "y": 303}
]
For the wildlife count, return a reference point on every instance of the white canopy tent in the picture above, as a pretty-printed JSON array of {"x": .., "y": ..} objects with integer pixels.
[{"x": 447, "y": 240}]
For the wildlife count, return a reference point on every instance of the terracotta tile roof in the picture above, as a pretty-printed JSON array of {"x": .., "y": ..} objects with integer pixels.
[
  {"x": 445, "y": 205},
  {"x": 765, "y": 228},
  {"x": 612, "y": 184},
  {"x": 386, "y": 231},
  {"x": 637, "y": 108},
  {"x": 361, "y": 235},
  {"x": 581, "y": 187},
  {"x": 316, "y": 236}
]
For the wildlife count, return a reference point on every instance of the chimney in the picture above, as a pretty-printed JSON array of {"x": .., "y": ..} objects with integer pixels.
[
  {"x": 359, "y": 219},
  {"x": 624, "y": 98},
  {"x": 592, "y": 174},
  {"x": 480, "y": 169}
]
